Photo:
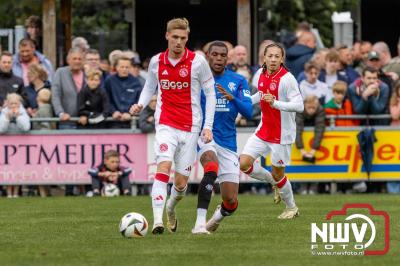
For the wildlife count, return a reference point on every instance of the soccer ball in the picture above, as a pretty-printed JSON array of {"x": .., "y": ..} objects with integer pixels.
[
  {"x": 110, "y": 190},
  {"x": 133, "y": 224}
]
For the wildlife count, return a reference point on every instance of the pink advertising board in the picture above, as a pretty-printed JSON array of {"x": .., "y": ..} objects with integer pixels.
[{"x": 65, "y": 159}]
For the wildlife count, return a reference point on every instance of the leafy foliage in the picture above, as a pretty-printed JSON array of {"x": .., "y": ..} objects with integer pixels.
[{"x": 286, "y": 14}]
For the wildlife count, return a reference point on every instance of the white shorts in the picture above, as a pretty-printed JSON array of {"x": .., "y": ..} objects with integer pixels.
[
  {"x": 177, "y": 146},
  {"x": 228, "y": 161},
  {"x": 280, "y": 153}
]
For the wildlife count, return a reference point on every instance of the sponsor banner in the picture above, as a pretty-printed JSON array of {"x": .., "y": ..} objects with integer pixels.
[
  {"x": 65, "y": 159},
  {"x": 338, "y": 158}
]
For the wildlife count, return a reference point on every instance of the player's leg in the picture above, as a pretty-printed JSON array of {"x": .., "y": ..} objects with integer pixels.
[
  {"x": 229, "y": 192},
  {"x": 209, "y": 161},
  {"x": 253, "y": 149},
  {"x": 159, "y": 195},
  {"x": 228, "y": 179},
  {"x": 279, "y": 159},
  {"x": 184, "y": 159},
  {"x": 165, "y": 145}
]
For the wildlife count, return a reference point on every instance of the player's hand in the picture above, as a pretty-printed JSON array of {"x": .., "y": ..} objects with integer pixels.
[
  {"x": 135, "y": 109},
  {"x": 269, "y": 98},
  {"x": 224, "y": 92},
  {"x": 126, "y": 117},
  {"x": 206, "y": 135}
]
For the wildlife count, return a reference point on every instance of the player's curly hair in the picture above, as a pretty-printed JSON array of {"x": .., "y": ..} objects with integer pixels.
[
  {"x": 178, "y": 24},
  {"x": 274, "y": 44}
]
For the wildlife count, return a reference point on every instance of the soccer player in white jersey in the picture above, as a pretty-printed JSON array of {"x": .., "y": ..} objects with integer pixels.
[
  {"x": 179, "y": 75},
  {"x": 279, "y": 98}
]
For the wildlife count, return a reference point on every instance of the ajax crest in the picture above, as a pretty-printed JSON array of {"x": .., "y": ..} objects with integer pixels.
[{"x": 183, "y": 72}]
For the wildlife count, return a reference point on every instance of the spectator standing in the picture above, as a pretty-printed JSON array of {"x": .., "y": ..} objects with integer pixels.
[
  {"x": 312, "y": 86},
  {"x": 330, "y": 74},
  {"x": 68, "y": 82},
  {"x": 301, "y": 52},
  {"x": 81, "y": 43},
  {"x": 33, "y": 26},
  {"x": 92, "y": 62},
  {"x": 318, "y": 59},
  {"x": 240, "y": 62},
  {"x": 346, "y": 62},
  {"x": 37, "y": 77},
  {"x": 9, "y": 83},
  {"x": 93, "y": 102},
  {"x": 374, "y": 61},
  {"x": 123, "y": 91},
  {"x": 28, "y": 55},
  {"x": 389, "y": 67}
]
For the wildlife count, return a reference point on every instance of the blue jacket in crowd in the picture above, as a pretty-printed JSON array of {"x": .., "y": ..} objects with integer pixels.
[
  {"x": 297, "y": 56},
  {"x": 122, "y": 92},
  {"x": 43, "y": 60}
]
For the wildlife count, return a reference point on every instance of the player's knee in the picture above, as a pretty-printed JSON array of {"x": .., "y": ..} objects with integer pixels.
[
  {"x": 211, "y": 166},
  {"x": 207, "y": 157},
  {"x": 245, "y": 164}
]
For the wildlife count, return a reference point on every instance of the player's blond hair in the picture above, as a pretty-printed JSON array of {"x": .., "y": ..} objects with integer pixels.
[{"x": 178, "y": 24}]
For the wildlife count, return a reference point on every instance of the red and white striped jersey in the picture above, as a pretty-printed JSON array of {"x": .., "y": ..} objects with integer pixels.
[
  {"x": 278, "y": 123},
  {"x": 179, "y": 91}
]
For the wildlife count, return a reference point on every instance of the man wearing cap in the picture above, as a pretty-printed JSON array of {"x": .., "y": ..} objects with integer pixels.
[{"x": 374, "y": 61}]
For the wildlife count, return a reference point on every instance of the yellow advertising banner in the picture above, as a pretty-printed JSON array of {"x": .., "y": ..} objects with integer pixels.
[{"x": 339, "y": 159}]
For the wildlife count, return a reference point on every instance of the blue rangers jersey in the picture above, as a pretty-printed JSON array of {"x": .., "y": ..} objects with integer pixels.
[{"x": 224, "y": 128}]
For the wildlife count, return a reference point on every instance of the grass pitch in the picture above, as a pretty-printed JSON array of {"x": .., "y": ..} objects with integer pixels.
[{"x": 84, "y": 231}]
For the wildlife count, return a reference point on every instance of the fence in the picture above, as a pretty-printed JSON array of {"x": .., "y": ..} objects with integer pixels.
[{"x": 64, "y": 156}]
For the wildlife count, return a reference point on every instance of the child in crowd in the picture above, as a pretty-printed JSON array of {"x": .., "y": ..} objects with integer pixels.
[
  {"x": 14, "y": 118},
  {"x": 110, "y": 171},
  {"x": 312, "y": 86},
  {"x": 93, "y": 102},
  {"x": 45, "y": 110},
  {"x": 340, "y": 105}
]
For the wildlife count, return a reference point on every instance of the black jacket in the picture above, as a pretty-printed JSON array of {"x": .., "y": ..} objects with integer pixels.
[
  {"x": 305, "y": 120},
  {"x": 9, "y": 84},
  {"x": 92, "y": 103},
  {"x": 144, "y": 125}
]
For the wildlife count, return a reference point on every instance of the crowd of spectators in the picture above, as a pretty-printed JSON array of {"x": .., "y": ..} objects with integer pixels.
[{"x": 362, "y": 79}]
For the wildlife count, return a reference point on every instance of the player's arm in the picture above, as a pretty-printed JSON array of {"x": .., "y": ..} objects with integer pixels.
[
  {"x": 149, "y": 88},
  {"x": 256, "y": 98},
  {"x": 207, "y": 85},
  {"x": 295, "y": 103},
  {"x": 243, "y": 102}
]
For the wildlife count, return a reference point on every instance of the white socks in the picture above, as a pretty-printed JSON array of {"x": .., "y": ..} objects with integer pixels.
[
  {"x": 158, "y": 196},
  {"x": 201, "y": 217},
  {"x": 286, "y": 192},
  {"x": 176, "y": 196},
  {"x": 261, "y": 173}
]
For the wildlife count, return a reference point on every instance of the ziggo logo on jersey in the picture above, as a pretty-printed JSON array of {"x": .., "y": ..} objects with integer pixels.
[{"x": 166, "y": 84}]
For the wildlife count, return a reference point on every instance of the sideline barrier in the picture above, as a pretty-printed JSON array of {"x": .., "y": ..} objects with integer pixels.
[{"x": 64, "y": 156}]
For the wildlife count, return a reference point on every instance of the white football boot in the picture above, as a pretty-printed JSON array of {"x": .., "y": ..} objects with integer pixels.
[
  {"x": 289, "y": 213},
  {"x": 212, "y": 224}
]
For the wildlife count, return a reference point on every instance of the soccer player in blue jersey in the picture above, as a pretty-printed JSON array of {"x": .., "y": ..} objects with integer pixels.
[{"x": 219, "y": 157}]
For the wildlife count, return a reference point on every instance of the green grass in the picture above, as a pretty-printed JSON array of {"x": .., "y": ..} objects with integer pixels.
[{"x": 84, "y": 231}]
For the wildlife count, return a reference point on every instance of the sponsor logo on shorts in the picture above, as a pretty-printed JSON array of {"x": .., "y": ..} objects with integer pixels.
[
  {"x": 163, "y": 147},
  {"x": 281, "y": 162}
]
